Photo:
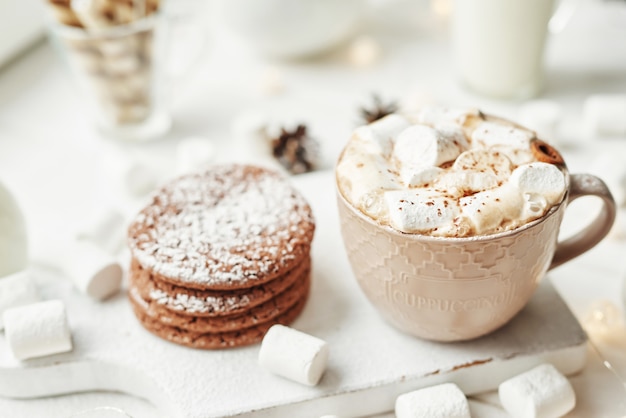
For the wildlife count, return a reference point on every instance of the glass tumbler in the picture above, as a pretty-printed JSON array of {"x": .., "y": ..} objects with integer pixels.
[{"x": 120, "y": 70}]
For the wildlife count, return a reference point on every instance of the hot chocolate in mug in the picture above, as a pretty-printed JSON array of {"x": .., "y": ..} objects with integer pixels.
[{"x": 452, "y": 288}]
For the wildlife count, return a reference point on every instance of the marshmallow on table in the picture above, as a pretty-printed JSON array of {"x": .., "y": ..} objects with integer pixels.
[
  {"x": 541, "y": 392},
  {"x": 543, "y": 116},
  {"x": 37, "y": 330},
  {"x": 93, "y": 271},
  {"x": 540, "y": 178},
  {"x": 411, "y": 211},
  {"x": 422, "y": 145},
  {"x": 605, "y": 115},
  {"x": 294, "y": 355},
  {"x": 105, "y": 228},
  {"x": 16, "y": 289},
  {"x": 193, "y": 154},
  {"x": 490, "y": 133},
  {"x": 441, "y": 401},
  {"x": 379, "y": 136}
]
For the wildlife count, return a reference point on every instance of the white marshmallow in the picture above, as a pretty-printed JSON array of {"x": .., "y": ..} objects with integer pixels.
[
  {"x": 379, "y": 136},
  {"x": 416, "y": 176},
  {"x": 420, "y": 145},
  {"x": 93, "y": 271},
  {"x": 605, "y": 115},
  {"x": 294, "y": 355},
  {"x": 105, "y": 228},
  {"x": 411, "y": 211},
  {"x": 16, "y": 289},
  {"x": 542, "y": 392},
  {"x": 540, "y": 178},
  {"x": 517, "y": 156},
  {"x": 363, "y": 176},
  {"x": 194, "y": 153},
  {"x": 543, "y": 116},
  {"x": 487, "y": 210},
  {"x": 472, "y": 181},
  {"x": 484, "y": 161},
  {"x": 490, "y": 133},
  {"x": 37, "y": 330},
  {"x": 441, "y": 401},
  {"x": 437, "y": 115}
]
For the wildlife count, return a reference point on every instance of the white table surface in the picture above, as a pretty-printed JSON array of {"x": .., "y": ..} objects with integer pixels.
[{"x": 54, "y": 161}]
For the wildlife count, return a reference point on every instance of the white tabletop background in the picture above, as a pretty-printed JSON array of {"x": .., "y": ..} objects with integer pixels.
[{"x": 56, "y": 163}]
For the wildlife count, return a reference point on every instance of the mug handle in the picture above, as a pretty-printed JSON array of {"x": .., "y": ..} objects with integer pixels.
[{"x": 586, "y": 185}]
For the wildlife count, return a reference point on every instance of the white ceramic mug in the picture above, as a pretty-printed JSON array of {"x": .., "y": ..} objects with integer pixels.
[{"x": 499, "y": 45}]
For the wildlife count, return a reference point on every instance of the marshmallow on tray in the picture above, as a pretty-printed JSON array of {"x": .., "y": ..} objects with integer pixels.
[
  {"x": 441, "y": 401},
  {"x": 37, "y": 330},
  {"x": 16, "y": 289},
  {"x": 541, "y": 392},
  {"x": 93, "y": 271},
  {"x": 294, "y": 355}
]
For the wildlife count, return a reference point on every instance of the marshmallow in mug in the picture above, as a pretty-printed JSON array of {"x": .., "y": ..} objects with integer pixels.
[{"x": 450, "y": 173}]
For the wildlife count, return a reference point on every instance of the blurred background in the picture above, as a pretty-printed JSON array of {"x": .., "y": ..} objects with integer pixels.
[{"x": 104, "y": 99}]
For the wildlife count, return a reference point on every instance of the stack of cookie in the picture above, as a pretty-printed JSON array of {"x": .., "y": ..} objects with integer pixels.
[{"x": 219, "y": 257}]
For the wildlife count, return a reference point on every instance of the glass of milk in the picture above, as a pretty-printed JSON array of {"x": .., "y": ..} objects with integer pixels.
[{"x": 499, "y": 44}]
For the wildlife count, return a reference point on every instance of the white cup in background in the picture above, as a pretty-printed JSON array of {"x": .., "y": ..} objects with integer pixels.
[
  {"x": 292, "y": 28},
  {"x": 499, "y": 44}
]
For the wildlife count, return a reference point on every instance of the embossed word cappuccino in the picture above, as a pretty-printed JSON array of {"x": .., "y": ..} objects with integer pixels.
[{"x": 450, "y": 173}]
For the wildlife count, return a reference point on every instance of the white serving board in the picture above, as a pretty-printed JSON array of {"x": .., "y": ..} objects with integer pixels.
[{"x": 370, "y": 362}]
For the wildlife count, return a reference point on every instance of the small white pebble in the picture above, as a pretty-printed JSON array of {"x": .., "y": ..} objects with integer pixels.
[{"x": 541, "y": 392}]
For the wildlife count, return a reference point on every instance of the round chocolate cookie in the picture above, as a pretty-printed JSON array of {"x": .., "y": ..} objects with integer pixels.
[
  {"x": 229, "y": 339},
  {"x": 257, "y": 315},
  {"x": 209, "y": 303},
  {"x": 231, "y": 227}
]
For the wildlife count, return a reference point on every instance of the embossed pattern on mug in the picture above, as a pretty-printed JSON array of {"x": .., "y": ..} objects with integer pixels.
[{"x": 444, "y": 289}]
